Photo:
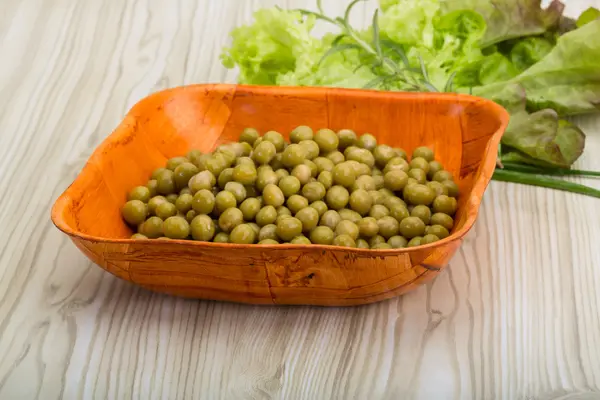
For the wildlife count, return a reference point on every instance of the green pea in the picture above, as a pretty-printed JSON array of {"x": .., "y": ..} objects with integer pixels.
[
  {"x": 166, "y": 210},
  {"x": 361, "y": 201},
  {"x": 337, "y": 197},
  {"x": 327, "y": 140},
  {"x": 238, "y": 190},
  {"x": 313, "y": 191},
  {"x": 276, "y": 138},
  {"x": 174, "y": 162},
  {"x": 141, "y": 193},
  {"x": 309, "y": 217},
  {"x": 320, "y": 206},
  {"x": 245, "y": 174},
  {"x": 289, "y": 228},
  {"x": 289, "y": 185},
  {"x": 176, "y": 228},
  {"x": 296, "y": 203},
  {"x": 202, "y": 180},
  {"x": 322, "y": 235},
  {"x": 249, "y": 135},
  {"x": 293, "y": 155},
  {"x": 273, "y": 196},
  {"x": 264, "y": 153},
  {"x": 242, "y": 234},
  {"x": 344, "y": 241},
  {"x": 268, "y": 231},
  {"x": 301, "y": 133},
  {"x": 311, "y": 148},
  {"x": 397, "y": 242},
  {"x": 224, "y": 200},
  {"x": 203, "y": 201},
  {"x": 184, "y": 203},
  {"x": 302, "y": 172},
  {"x": 183, "y": 173},
  {"x": 347, "y": 137},
  {"x": 134, "y": 212}
]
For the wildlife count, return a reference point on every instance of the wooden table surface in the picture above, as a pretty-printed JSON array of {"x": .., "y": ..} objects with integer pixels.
[{"x": 514, "y": 317}]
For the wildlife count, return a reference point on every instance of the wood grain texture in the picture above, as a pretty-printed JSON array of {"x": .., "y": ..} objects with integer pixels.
[
  {"x": 515, "y": 316},
  {"x": 172, "y": 122}
]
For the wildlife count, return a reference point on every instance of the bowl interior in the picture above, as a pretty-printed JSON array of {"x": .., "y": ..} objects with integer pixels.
[{"x": 462, "y": 130}]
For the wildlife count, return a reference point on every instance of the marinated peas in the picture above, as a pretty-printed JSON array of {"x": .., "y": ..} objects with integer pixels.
[{"x": 321, "y": 187}]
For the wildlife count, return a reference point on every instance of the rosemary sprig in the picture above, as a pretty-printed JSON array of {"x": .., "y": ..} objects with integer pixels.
[
  {"x": 450, "y": 84},
  {"x": 386, "y": 69}
]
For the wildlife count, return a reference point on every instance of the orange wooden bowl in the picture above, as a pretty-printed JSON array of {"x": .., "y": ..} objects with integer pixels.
[{"x": 463, "y": 130}]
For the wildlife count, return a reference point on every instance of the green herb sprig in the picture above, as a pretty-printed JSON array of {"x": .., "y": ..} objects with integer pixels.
[{"x": 386, "y": 69}]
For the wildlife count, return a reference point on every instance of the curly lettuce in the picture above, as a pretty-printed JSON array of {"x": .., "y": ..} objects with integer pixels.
[
  {"x": 534, "y": 61},
  {"x": 277, "y": 43},
  {"x": 279, "y": 49}
]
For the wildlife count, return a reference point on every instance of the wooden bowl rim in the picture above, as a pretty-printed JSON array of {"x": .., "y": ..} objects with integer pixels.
[{"x": 483, "y": 174}]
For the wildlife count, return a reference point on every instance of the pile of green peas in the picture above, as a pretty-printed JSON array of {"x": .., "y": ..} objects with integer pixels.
[{"x": 324, "y": 187}]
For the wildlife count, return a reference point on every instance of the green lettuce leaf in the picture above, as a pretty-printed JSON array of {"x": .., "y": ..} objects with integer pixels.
[
  {"x": 509, "y": 19},
  {"x": 409, "y": 22},
  {"x": 446, "y": 42},
  {"x": 567, "y": 79},
  {"x": 511, "y": 96},
  {"x": 340, "y": 69},
  {"x": 544, "y": 137},
  {"x": 279, "y": 49},
  {"x": 496, "y": 68},
  {"x": 514, "y": 156},
  {"x": 528, "y": 51},
  {"x": 385, "y": 4},
  {"x": 278, "y": 42},
  {"x": 490, "y": 69},
  {"x": 587, "y": 16}
]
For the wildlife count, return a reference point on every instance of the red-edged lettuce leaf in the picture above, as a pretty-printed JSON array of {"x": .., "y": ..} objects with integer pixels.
[
  {"x": 567, "y": 79},
  {"x": 509, "y": 19},
  {"x": 544, "y": 137}
]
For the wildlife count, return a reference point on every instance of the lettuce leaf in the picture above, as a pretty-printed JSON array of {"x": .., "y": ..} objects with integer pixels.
[
  {"x": 278, "y": 42},
  {"x": 509, "y": 19},
  {"x": 528, "y": 51},
  {"x": 567, "y": 79},
  {"x": 544, "y": 137},
  {"x": 279, "y": 49},
  {"x": 340, "y": 69},
  {"x": 446, "y": 42},
  {"x": 510, "y": 155},
  {"x": 410, "y": 22},
  {"x": 511, "y": 96},
  {"x": 564, "y": 82},
  {"x": 587, "y": 16}
]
